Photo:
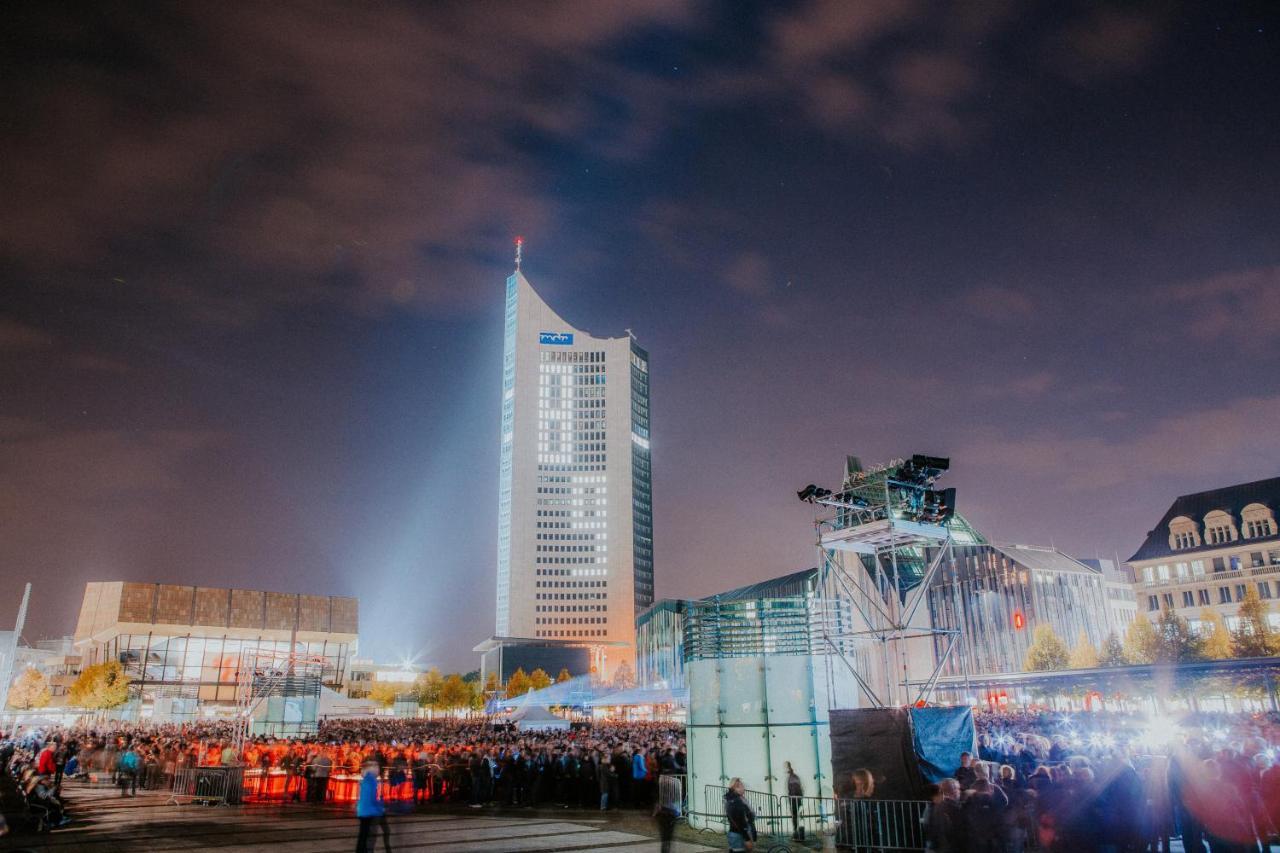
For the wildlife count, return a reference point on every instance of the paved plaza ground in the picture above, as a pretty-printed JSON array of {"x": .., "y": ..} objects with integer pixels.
[{"x": 106, "y": 823}]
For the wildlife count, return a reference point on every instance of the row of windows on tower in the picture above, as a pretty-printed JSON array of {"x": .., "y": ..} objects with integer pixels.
[
  {"x": 571, "y": 434},
  {"x": 571, "y": 525},
  {"x": 570, "y": 634},
  {"x": 550, "y": 369},
  {"x": 571, "y": 608},
  {"x": 571, "y": 356},
  {"x": 567, "y": 409},
  {"x": 570, "y": 596},
  {"x": 561, "y": 446}
]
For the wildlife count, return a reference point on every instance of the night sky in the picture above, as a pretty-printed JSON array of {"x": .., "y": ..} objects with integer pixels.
[{"x": 252, "y": 261}]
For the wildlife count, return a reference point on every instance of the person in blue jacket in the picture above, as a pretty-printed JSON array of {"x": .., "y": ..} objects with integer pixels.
[
  {"x": 639, "y": 780},
  {"x": 370, "y": 808}
]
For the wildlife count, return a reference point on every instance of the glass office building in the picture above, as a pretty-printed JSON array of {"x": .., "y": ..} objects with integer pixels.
[
  {"x": 660, "y": 645},
  {"x": 770, "y": 617}
]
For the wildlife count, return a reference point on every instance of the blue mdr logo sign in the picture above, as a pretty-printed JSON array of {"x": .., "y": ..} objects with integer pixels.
[{"x": 559, "y": 339}]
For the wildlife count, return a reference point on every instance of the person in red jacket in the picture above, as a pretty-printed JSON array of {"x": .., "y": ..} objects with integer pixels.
[{"x": 45, "y": 764}]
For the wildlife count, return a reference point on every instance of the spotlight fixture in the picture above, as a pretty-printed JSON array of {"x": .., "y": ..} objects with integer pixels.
[
  {"x": 811, "y": 493},
  {"x": 936, "y": 463}
]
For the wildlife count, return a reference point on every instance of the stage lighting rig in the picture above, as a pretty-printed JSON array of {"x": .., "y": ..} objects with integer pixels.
[
  {"x": 813, "y": 494},
  {"x": 883, "y": 540}
]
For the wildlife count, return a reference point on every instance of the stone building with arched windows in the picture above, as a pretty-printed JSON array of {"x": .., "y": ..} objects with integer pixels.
[{"x": 1208, "y": 550}]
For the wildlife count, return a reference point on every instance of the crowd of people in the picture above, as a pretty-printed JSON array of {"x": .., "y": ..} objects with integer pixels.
[
  {"x": 474, "y": 762},
  {"x": 1112, "y": 781},
  {"x": 1037, "y": 781}
]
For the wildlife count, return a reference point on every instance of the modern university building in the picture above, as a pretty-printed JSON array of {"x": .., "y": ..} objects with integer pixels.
[
  {"x": 182, "y": 646},
  {"x": 575, "y": 513}
]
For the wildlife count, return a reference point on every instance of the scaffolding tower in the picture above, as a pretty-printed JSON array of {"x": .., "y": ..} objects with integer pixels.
[
  {"x": 881, "y": 539},
  {"x": 265, "y": 673}
]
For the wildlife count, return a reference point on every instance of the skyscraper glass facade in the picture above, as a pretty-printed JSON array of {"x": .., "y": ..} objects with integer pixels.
[{"x": 641, "y": 479}]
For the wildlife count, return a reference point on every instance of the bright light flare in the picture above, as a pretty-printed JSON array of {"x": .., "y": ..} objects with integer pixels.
[{"x": 1159, "y": 732}]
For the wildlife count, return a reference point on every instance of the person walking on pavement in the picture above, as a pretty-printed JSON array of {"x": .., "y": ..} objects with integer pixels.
[{"x": 370, "y": 809}]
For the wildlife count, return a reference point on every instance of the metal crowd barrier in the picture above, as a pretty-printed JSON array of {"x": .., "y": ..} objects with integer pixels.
[
  {"x": 671, "y": 791},
  {"x": 881, "y": 825},
  {"x": 207, "y": 785}
]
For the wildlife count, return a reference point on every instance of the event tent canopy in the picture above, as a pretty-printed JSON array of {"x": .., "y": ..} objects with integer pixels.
[
  {"x": 538, "y": 719},
  {"x": 574, "y": 693},
  {"x": 636, "y": 696}
]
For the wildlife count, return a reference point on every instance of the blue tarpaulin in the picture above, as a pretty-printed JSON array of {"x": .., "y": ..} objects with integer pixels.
[{"x": 938, "y": 736}]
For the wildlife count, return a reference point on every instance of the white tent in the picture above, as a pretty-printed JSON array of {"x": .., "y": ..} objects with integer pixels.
[
  {"x": 334, "y": 704},
  {"x": 538, "y": 719}
]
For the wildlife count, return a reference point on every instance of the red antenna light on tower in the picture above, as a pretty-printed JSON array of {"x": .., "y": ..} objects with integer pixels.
[{"x": 519, "y": 248}]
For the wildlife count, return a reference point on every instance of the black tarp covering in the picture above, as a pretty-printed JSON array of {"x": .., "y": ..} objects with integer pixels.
[
  {"x": 903, "y": 748},
  {"x": 878, "y": 739}
]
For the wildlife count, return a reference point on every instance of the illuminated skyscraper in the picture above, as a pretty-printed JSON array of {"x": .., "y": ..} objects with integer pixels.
[{"x": 575, "y": 516}]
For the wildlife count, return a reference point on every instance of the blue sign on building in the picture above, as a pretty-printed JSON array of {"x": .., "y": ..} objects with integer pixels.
[{"x": 559, "y": 339}]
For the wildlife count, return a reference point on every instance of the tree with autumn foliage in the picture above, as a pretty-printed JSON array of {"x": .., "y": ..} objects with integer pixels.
[
  {"x": 1254, "y": 636},
  {"x": 100, "y": 686},
  {"x": 456, "y": 694},
  {"x": 1177, "y": 643},
  {"x": 1217, "y": 639},
  {"x": 518, "y": 684},
  {"x": 1141, "y": 645},
  {"x": 1047, "y": 653},
  {"x": 563, "y": 676},
  {"x": 1112, "y": 653},
  {"x": 385, "y": 693},
  {"x": 538, "y": 679},
  {"x": 426, "y": 689},
  {"x": 30, "y": 690},
  {"x": 1083, "y": 655}
]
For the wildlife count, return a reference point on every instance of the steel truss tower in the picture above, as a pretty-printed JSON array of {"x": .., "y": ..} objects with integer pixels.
[
  {"x": 881, "y": 541},
  {"x": 266, "y": 672}
]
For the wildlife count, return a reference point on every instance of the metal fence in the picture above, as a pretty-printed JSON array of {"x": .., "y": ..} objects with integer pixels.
[
  {"x": 882, "y": 825},
  {"x": 207, "y": 785},
  {"x": 671, "y": 794}
]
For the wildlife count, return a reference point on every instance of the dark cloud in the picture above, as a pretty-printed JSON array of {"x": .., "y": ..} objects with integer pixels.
[
  {"x": 1108, "y": 41},
  {"x": 253, "y": 259},
  {"x": 369, "y": 156},
  {"x": 1243, "y": 305}
]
